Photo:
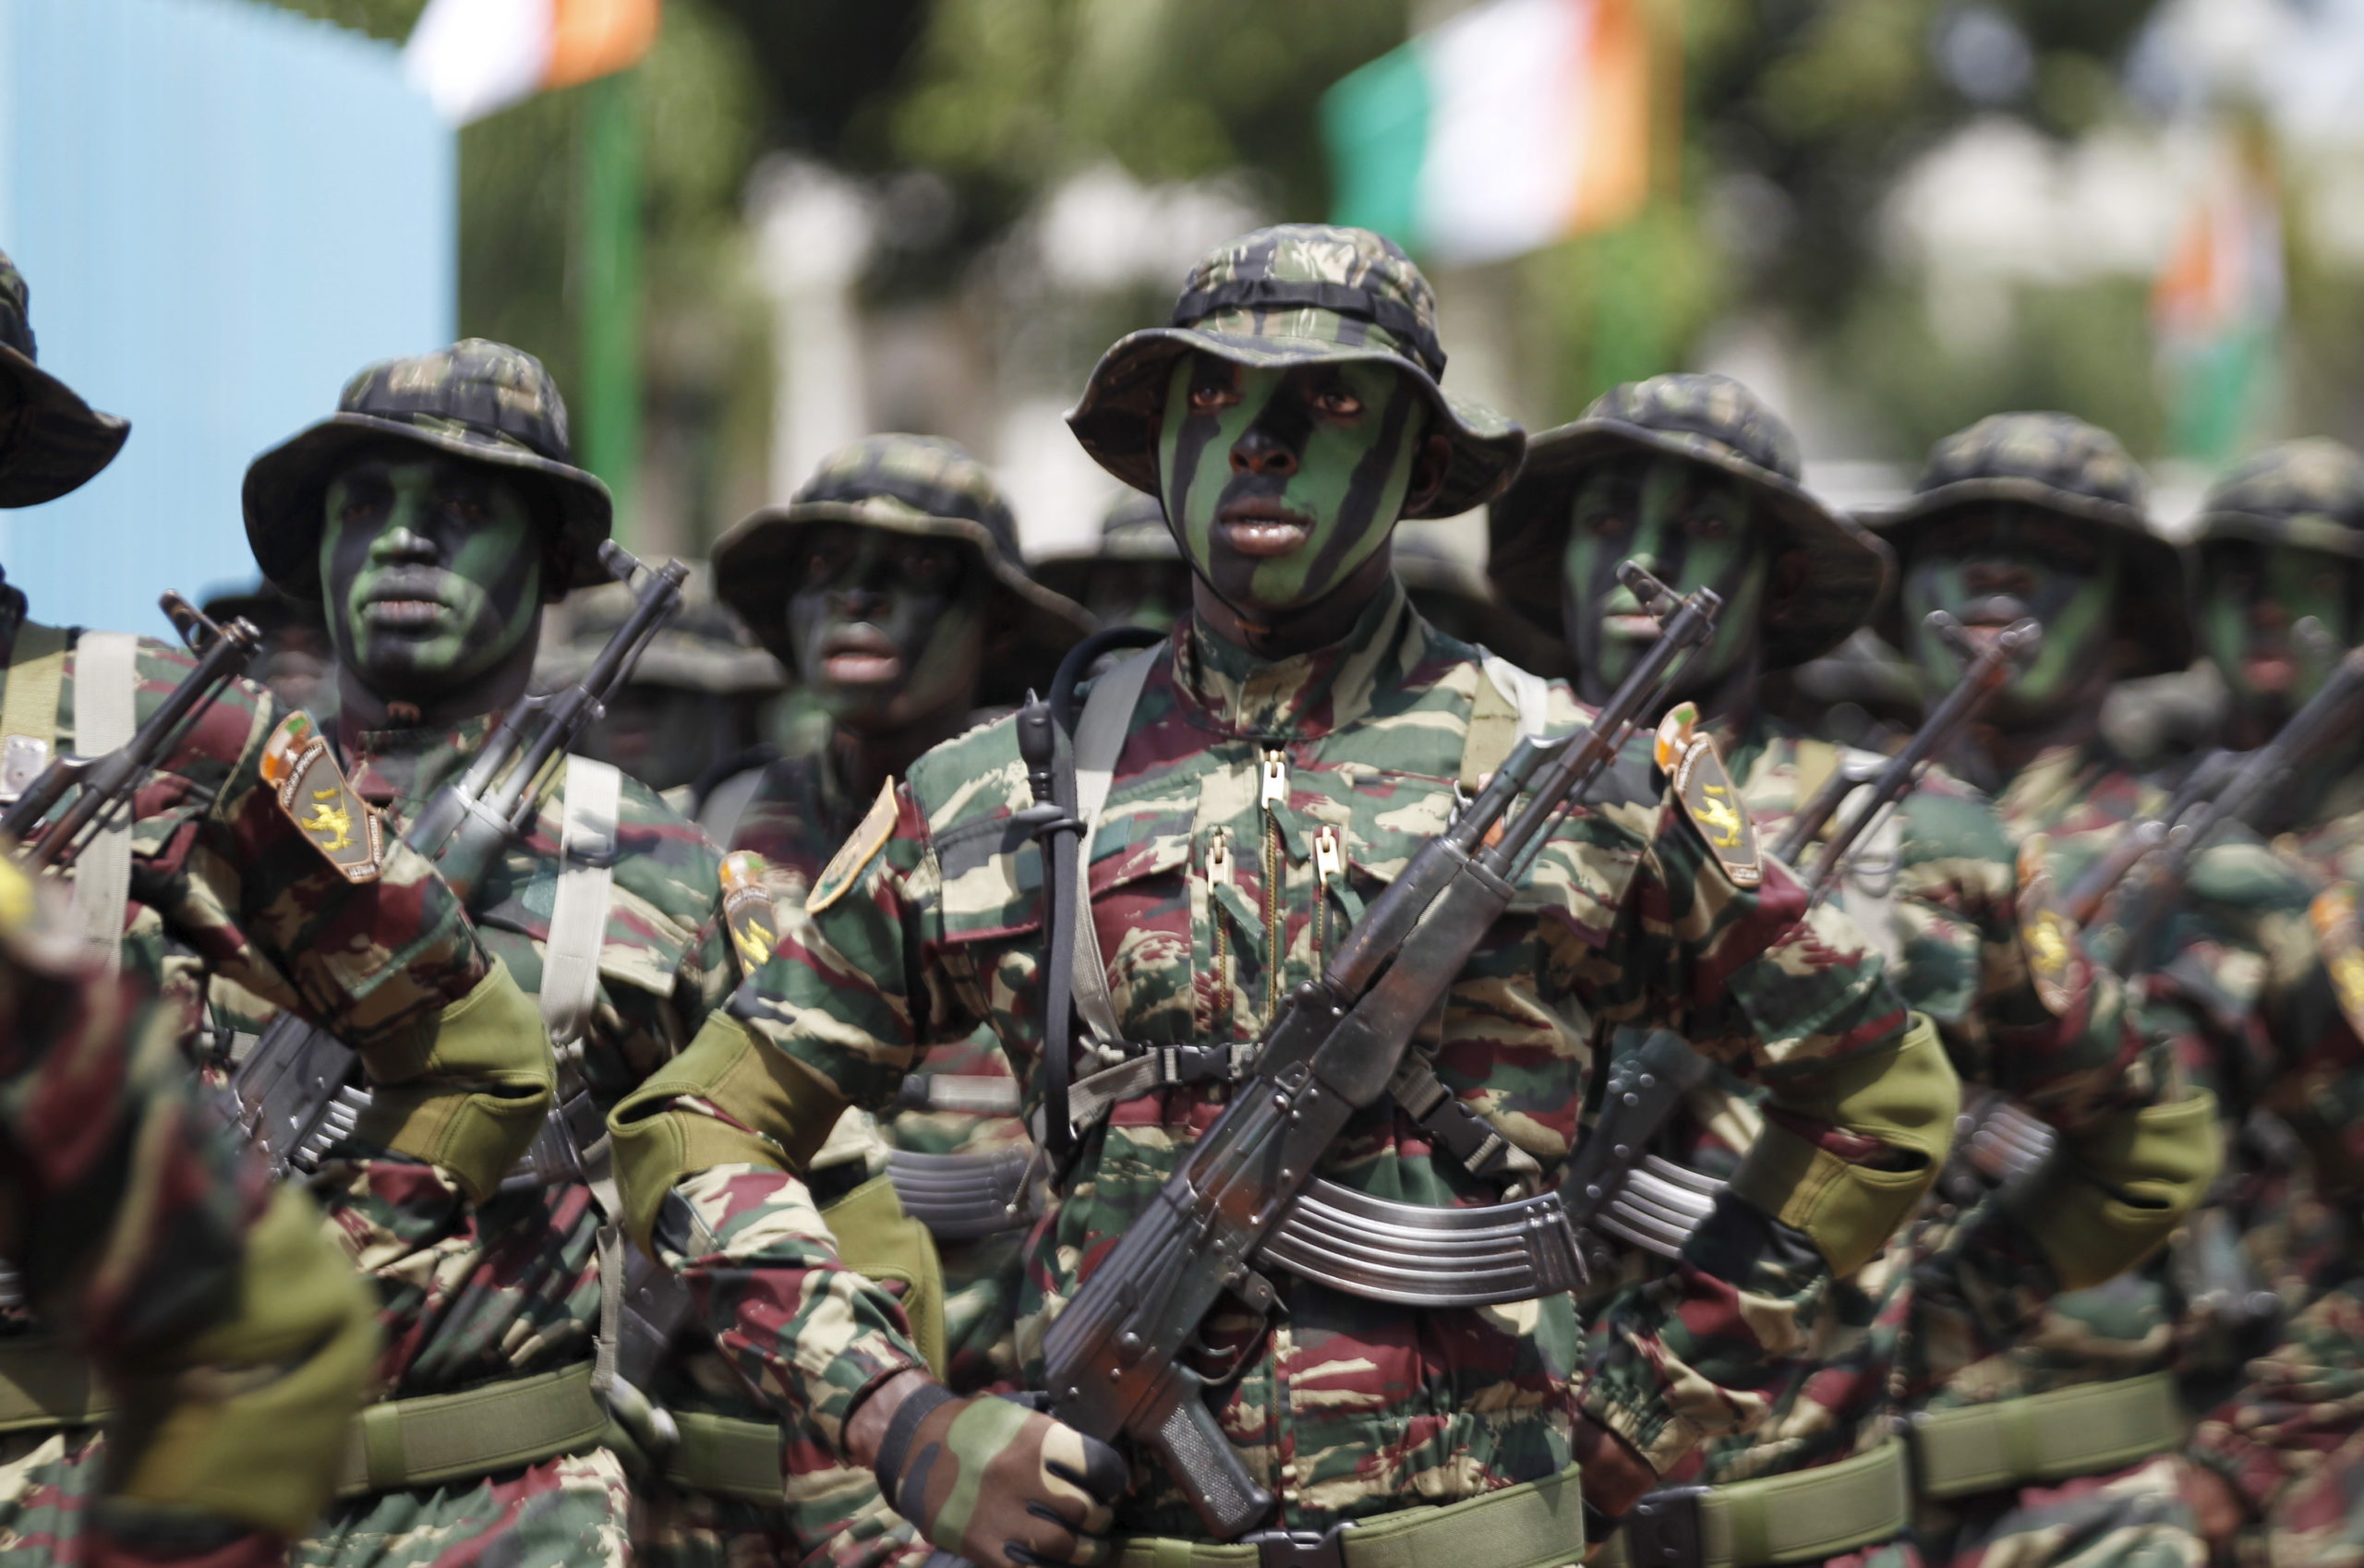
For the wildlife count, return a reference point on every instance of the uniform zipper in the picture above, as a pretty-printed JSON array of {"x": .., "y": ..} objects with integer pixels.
[
  {"x": 1328, "y": 860},
  {"x": 1219, "y": 875},
  {"x": 1274, "y": 789}
]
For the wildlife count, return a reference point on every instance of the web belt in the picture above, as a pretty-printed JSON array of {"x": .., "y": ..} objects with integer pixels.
[
  {"x": 1803, "y": 1516},
  {"x": 2048, "y": 1437}
]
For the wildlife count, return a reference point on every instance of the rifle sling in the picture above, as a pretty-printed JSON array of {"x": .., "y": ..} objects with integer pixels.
[{"x": 106, "y": 674}]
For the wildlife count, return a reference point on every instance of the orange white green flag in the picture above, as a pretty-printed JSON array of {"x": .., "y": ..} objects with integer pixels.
[
  {"x": 1508, "y": 127},
  {"x": 472, "y": 57}
]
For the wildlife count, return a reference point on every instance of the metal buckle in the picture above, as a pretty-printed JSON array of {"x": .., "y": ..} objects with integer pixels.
[
  {"x": 1663, "y": 1530},
  {"x": 1299, "y": 1549}
]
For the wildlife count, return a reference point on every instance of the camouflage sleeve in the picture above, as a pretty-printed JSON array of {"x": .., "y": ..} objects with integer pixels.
[
  {"x": 232, "y": 1332},
  {"x": 2302, "y": 1403},
  {"x": 1791, "y": 998},
  {"x": 836, "y": 1017},
  {"x": 263, "y": 906}
]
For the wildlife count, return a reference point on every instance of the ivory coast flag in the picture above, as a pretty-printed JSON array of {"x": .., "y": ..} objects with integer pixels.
[
  {"x": 471, "y": 58},
  {"x": 1514, "y": 124}
]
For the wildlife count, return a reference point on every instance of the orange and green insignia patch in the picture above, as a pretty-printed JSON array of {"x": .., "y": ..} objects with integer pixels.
[
  {"x": 856, "y": 852},
  {"x": 2046, "y": 937},
  {"x": 1711, "y": 800},
  {"x": 312, "y": 791},
  {"x": 2333, "y": 914},
  {"x": 747, "y": 909}
]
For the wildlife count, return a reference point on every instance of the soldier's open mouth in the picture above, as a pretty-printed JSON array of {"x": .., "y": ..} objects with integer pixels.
[
  {"x": 861, "y": 656},
  {"x": 2270, "y": 671}
]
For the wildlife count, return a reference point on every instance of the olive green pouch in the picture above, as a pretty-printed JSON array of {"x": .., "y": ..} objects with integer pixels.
[
  {"x": 2112, "y": 1192},
  {"x": 475, "y": 1100}
]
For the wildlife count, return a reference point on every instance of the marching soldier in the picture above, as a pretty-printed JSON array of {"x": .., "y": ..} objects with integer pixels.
[
  {"x": 214, "y": 872},
  {"x": 2042, "y": 515},
  {"x": 435, "y": 513},
  {"x": 892, "y": 582},
  {"x": 1268, "y": 767},
  {"x": 1694, "y": 476}
]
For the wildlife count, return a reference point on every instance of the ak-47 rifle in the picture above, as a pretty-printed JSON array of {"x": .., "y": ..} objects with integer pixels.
[
  {"x": 1117, "y": 1362},
  {"x": 2133, "y": 888},
  {"x": 1987, "y": 669},
  {"x": 107, "y": 783},
  {"x": 295, "y": 1093}
]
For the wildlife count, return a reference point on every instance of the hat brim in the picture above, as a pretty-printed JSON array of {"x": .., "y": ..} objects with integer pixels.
[
  {"x": 285, "y": 488},
  {"x": 2325, "y": 537},
  {"x": 756, "y": 563},
  {"x": 60, "y": 442},
  {"x": 2154, "y": 567},
  {"x": 1117, "y": 419},
  {"x": 1848, "y": 569}
]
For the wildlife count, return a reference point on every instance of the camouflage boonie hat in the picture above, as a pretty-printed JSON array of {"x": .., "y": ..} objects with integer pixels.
[
  {"x": 1287, "y": 296},
  {"x": 2307, "y": 493},
  {"x": 479, "y": 400},
  {"x": 701, "y": 647},
  {"x": 60, "y": 441},
  {"x": 909, "y": 485},
  {"x": 2072, "y": 470},
  {"x": 1134, "y": 529},
  {"x": 1714, "y": 421}
]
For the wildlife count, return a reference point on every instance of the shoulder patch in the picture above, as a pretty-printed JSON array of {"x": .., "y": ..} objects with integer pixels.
[
  {"x": 1714, "y": 805},
  {"x": 2333, "y": 914},
  {"x": 2046, "y": 937},
  {"x": 859, "y": 848},
  {"x": 312, "y": 792},
  {"x": 747, "y": 909}
]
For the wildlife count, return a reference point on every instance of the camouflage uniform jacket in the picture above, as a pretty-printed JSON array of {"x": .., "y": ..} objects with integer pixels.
[
  {"x": 1210, "y": 905},
  {"x": 1949, "y": 918},
  {"x": 2227, "y": 1001},
  {"x": 798, "y": 817},
  {"x": 2290, "y": 1435}
]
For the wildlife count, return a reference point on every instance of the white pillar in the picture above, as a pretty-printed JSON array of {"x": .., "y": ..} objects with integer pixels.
[{"x": 813, "y": 230}]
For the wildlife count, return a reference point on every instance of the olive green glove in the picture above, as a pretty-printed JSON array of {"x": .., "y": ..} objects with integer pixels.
[{"x": 1004, "y": 1486}]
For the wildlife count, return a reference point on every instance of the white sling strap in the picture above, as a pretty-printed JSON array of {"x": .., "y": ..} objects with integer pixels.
[
  {"x": 1098, "y": 741},
  {"x": 1530, "y": 694},
  {"x": 106, "y": 676},
  {"x": 586, "y": 876}
]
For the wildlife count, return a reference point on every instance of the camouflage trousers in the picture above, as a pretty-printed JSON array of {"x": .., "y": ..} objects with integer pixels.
[
  {"x": 573, "y": 1511},
  {"x": 2291, "y": 1438},
  {"x": 2130, "y": 1518},
  {"x": 677, "y": 1529},
  {"x": 46, "y": 1480}
]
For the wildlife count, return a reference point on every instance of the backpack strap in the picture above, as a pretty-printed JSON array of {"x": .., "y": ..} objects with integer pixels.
[
  {"x": 1512, "y": 704},
  {"x": 1098, "y": 741},
  {"x": 586, "y": 876},
  {"x": 28, "y": 707},
  {"x": 106, "y": 675}
]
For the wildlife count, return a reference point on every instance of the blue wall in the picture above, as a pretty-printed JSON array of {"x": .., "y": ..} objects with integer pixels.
[{"x": 223, "y": 210}]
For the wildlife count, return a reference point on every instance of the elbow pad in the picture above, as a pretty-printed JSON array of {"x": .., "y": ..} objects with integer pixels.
[
  {"x": 657, "y": 1144},
  {"x": 472, "y": 1098},
  {"x": 249, "y": 1421},
  {"x": 2112, "y": 1192},
  {"x": 876, "y": 1239},
  {"x": 1907, "y": 1099}
]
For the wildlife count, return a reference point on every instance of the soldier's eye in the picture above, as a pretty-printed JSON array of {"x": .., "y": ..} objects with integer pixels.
[
  {"x": 1707, "y": 526},
  {"x": 1338, "y": 403},
  {"x": 1209, "y": 397},
  {"x": 1604, "y": 525}
]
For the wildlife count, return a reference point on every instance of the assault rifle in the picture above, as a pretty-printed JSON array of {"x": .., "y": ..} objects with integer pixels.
[
  {"x": 1987, "y": 669},
  {"x": 1118, "y": 1360},
  {"x": 107, "y": 783},
  {"x": 294, "y": 1094},
  {"x": 2138, "y": 884}
]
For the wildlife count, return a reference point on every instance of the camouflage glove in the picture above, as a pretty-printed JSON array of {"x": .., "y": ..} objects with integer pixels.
[{"x": 1000, "y": 1484}]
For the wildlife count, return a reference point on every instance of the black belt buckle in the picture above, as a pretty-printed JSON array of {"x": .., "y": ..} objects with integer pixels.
[
  {"x": 1299, "y": 1549},
  {"x": 1663, "y": 1530}
]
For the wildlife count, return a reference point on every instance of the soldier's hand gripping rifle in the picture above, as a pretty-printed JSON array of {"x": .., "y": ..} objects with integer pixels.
[
  {"x": 1117, "y": 1359},
  {"x": 1987, "y": 669},
  {"x": 2128, "y": 895},
  {"x": 107, "y": 783},
  {"x": 293, "y": 1094}
]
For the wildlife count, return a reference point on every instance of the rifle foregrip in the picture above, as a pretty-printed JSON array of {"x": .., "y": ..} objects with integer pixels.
[{"x": 1195, "y": 1453}]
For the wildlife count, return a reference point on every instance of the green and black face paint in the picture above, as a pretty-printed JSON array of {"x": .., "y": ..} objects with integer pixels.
[
  {"x": 1691, "y": 526},
  {"x": 2254, "y": 596},
  {"x": 1279, "y": 483},
  {"x": 886, "y": 627},
  {"x": 432, "y": 567},
  {"x": 1989, "y": 566}
]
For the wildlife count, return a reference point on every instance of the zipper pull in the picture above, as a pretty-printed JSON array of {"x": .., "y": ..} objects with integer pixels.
[
  {"x": 1275, "y": 790},
  {"x": 1329, "y": 855},
  {"x": 1219, "y": 859}
]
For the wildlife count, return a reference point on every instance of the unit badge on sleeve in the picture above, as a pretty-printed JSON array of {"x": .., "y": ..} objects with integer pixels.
[
  {"x": 1690, "y": 760},
  {"x": 311, "y": 789},
  {"x": 747, "y": 909},
  {"x": 2046, "y": 937}
]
